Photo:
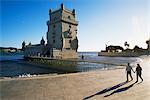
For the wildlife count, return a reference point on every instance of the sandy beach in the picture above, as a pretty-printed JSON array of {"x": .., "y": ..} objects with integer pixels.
[{"x": 93, "y": 85}]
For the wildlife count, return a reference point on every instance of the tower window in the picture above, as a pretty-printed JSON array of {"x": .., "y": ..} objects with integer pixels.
[
  {"x": 53, "y": 41},
  {"x": 69, "y": 17},
  {"x": 67, "y": 48},
  {"x": 55, "y": 18},
  {"x": 69, "y": 41},
  {"x": 53, "y": 26},
  {"x": 69, "y": 26}
]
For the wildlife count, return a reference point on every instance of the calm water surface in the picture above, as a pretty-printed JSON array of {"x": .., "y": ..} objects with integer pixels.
[{"x": 13, "y": 66}]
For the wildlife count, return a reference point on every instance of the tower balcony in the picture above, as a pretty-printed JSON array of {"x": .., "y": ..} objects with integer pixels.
[{"x": 69, "y": 36}]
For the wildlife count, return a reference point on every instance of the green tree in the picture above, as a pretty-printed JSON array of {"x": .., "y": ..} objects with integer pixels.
[{"x": 126, "y": 44}]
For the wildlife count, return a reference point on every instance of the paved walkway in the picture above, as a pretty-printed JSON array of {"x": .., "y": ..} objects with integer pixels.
[{"x": 95, "y": 85}]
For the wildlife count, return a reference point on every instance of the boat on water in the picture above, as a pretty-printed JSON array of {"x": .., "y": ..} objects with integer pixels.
[{"x": 118, "y": 51}]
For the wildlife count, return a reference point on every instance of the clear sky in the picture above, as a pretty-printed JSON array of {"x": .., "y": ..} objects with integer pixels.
[{"x": 100, "y": 22}]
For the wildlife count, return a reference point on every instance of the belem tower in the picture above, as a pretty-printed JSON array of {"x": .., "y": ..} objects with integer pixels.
[{"x": 62, "y": 41}]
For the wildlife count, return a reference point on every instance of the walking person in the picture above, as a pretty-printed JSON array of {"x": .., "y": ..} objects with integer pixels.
[
  {"x": 128, "y": 72},
  {"x": 82, "y": 57},
  {"x": 138, "y": 72}
]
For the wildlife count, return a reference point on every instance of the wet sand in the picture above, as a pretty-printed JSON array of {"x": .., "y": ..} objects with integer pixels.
[{"x": 94, "y": 85}]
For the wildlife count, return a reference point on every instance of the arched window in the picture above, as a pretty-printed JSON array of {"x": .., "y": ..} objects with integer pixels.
[
  {"x": 54, "y": 26},
  {"x": 69, "y": 17},
  {"x": 69, "y": 41},
  {"x": 53, "y": 41},
  {"x": 69, "y": 26},
  {"x": 55, "y": 18}
]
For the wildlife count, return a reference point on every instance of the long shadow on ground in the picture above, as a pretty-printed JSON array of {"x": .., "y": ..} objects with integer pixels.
[
  {"x": 106, "y": 90},
  {"x": 120, "y": 90}
]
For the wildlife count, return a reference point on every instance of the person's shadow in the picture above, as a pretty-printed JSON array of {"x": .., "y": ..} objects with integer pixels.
[
  {"x": 120, "y": 90},
  {"x": 111, "y": 88}
]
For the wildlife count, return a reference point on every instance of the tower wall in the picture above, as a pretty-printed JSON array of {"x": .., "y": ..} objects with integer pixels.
[{"x": 54, "y": 35}]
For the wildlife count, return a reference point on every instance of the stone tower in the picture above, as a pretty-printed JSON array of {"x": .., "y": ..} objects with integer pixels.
[{"x": 62, "y": 30}]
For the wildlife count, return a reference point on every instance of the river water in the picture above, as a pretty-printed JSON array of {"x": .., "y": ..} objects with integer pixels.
[{"x": 14, "y": 65}]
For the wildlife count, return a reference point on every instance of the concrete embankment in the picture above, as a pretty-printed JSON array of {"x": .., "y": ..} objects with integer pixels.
[{"x": 67, "y": 65}]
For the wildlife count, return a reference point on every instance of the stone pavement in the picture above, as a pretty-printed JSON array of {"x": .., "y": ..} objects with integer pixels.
[{"x": 94, "y": 85}]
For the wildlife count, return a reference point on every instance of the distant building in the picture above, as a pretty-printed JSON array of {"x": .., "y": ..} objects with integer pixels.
[
  {"x": 62, "y": 41},
  {"x": 118, "y": 51},
  {"x": 8, "y": 49}
]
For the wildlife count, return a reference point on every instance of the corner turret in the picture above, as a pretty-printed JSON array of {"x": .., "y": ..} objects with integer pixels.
[{"x": 42, "y": 41}]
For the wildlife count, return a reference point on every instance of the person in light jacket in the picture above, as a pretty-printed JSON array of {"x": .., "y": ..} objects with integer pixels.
[{"x": 128, "y": 72}]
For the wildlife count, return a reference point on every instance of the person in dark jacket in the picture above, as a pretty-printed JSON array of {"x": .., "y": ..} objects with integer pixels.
[
  {"x": 138, "y": 72},
  {"x": 82, "y": 57}
]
